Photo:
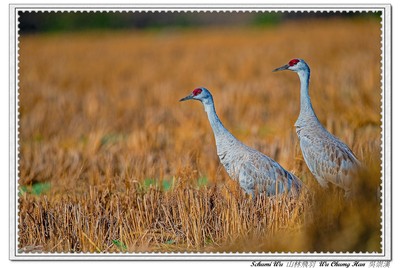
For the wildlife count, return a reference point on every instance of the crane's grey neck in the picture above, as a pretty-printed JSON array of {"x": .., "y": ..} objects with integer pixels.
[
  {"x": 220, "y": 132},
  {"x": 307, "y": 114}
]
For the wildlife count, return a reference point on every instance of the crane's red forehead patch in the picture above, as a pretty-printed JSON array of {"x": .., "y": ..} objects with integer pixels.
[
  {"x": 197, "y": 91},
  {"x": 293, "y": 62}
]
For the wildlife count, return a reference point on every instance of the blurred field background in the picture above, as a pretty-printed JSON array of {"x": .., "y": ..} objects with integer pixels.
[{"x": 110, "y": 161}]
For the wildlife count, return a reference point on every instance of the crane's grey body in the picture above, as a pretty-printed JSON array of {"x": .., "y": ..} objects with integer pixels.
[
  {"x": 254, "y": 171},
  {"x": 328, "y": 158}
]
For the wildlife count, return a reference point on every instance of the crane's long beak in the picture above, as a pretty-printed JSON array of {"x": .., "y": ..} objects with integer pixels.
[
  {"x": 189, "y": 97},
  {"x": 284, "y": 67}
]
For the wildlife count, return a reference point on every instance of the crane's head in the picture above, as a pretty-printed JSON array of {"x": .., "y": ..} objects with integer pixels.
[
  {"x": 200, "y": 93},
  {"x": 295, "y": 65}
]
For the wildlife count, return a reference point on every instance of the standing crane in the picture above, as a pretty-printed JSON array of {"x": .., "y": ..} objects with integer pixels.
[
  {"x": 328, "y": 158},
  {"x": 255, "y": 172}
]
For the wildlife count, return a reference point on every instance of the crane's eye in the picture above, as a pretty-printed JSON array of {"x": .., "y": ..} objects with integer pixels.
[
  {"x": 197, "y": 91},
  {"x": 293, "y": 62}
]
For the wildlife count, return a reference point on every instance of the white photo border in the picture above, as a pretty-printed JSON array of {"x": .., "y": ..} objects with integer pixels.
[{"x": 386, "y": 134}]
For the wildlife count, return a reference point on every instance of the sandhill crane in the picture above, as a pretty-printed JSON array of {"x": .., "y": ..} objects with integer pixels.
[
  {"x": 254, "y": 171},
  {"x": 328, "y": 158}
]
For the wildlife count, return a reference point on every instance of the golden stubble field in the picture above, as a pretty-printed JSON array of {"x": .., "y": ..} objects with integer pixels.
[{"x": 110, "y": 161}]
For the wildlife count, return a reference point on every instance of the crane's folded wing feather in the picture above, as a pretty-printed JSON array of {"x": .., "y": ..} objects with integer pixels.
[
  {"x": 261, "y": 172},
  {"x": 328, "y": 159}
]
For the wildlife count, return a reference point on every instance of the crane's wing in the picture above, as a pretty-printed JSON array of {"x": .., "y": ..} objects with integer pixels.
[
  {"x": 262, "y": 174},
  {"x": 329, "y": 160}
]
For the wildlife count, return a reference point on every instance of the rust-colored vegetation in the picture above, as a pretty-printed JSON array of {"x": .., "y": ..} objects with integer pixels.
[{"x": 110, "y": 161}]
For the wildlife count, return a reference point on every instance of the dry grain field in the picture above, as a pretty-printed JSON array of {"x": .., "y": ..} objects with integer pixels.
[{"x": 110, "y": 161}]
